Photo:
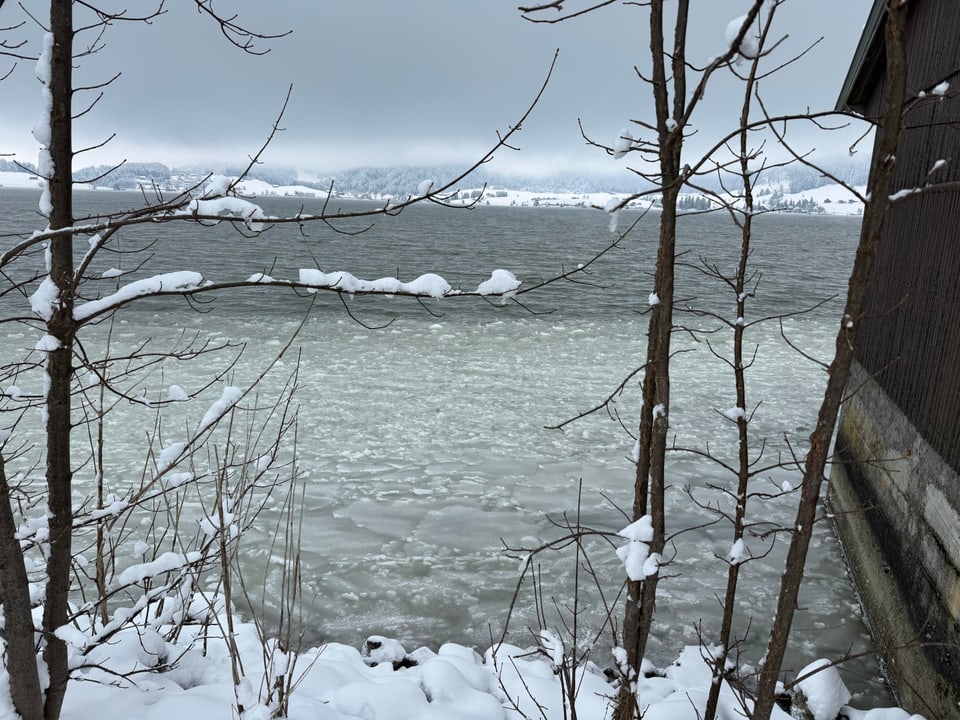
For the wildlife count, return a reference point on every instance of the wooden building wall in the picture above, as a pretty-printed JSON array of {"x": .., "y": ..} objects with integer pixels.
[
  {"x": 895, "y": 492},
  {"x": 910, "y": 337}
]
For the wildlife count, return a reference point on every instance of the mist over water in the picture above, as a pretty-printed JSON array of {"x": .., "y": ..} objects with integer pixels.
[{"x": 423, "y": 444}]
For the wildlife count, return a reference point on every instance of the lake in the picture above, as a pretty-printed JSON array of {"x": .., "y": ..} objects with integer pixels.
[{"x": 424, "y": 446}]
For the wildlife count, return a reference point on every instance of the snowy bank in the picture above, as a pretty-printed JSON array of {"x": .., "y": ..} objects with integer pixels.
[{"x": 141, "y": 674}]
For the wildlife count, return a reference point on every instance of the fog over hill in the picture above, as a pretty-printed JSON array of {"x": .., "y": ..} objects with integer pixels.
[{"x": 403, "y": 180}]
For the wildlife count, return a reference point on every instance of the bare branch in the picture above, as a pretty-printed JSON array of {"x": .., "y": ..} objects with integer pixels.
[
  {"x": 237, "y": 34},
  {"x": 558, "y": 5}
]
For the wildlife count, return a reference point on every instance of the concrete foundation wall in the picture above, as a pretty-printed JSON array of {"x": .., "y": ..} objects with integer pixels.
[{"x": 896, "y": 508}]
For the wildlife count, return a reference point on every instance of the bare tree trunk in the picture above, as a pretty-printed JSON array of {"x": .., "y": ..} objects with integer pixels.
[
  {"x": 59, "y": 368},
  {"x": 654, "y": 419},
  {"x": 18, "y": 633},
  {"x": 881, "y": 178},
  {"x": 743, "y": 450}
]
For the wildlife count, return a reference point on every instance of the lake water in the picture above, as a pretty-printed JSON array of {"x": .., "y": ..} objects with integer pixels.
[{"x": 423, "y": 445}]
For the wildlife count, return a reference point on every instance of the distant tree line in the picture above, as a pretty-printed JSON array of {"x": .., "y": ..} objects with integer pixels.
[
  {"x": 694, "y": 203},
  {"x": 403, "y": 180},
  {"x": 8, "y": 166}
]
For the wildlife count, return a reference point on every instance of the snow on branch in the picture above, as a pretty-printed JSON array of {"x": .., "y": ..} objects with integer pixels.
[
  {"x": 171, "y": 283},
  {"x": 230, "y": 397},
  {"x": 226, "y": 206},
  {"x": 429, "y": 284},
  {"x": 501, "y": 282},
  {"x": 637, "y": 559}
]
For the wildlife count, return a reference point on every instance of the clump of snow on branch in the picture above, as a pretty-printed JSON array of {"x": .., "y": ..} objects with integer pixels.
[
  {"x": 749, "y": 46},
  {"x": 424, "y": 188},
  {"x": 113, "y": 507},
  {"x": 429, "y": 284},
  {"x": 166, "y": 283},
  {"x": 901, "y": 194},
  {"x": 41, "y": 130},
  {"x": 613, "y": 208},
  {"x": 635, "y": 554},
  {"x": 35, "y": 527},
  {"x": 230, "y": 397},
  {"x": 620, "y": 658},
  {"x": 553, "y": 646},
  {"x": 938, "y": 90},
  {"x": 622, "y": 144},
  {"x": 734, "y": 413},
  {"x": 735, "y": 556},
  {"x": 174, "y": 480},
  {"x": 47, "y": 343},
  {"x": 653, "y": 300},
  {"x": 251, "y": 214},
  {"x": 170, "y": 455},
  {"x": 210, "y": 525},
  {"x": 167, "y": 562},
  {"x": 502, "y": 282},
  {"x": 176, "y": 393},
  {"x": 215, "y": 202},
  {"x": 659, "y": 411},
  {"x": 45, "y": 299},
  {"x": 216, "y": 187}
]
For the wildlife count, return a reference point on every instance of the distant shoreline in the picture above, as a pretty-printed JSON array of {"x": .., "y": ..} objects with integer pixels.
[{"x": 829, "y": 200}]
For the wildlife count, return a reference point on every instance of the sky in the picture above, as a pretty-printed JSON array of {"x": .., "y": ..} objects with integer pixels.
[{"x": 382, "y": 82}]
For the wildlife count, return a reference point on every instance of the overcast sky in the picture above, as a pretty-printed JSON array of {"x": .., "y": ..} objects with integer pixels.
[{"x": 384, "y": 82}]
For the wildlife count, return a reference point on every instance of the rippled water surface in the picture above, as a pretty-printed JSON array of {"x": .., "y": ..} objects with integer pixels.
[{"x": 423, "y": 444}]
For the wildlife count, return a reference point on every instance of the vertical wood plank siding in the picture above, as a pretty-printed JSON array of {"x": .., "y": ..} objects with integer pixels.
[{"x": 910, "y": 336}]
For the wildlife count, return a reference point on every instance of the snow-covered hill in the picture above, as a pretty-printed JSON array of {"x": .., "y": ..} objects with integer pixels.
[{"x": 779, "y": 193}]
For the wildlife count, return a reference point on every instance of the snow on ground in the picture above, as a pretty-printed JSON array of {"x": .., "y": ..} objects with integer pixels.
[
  {"x": 259, "y": 188},
  {"x": 823, "y": 690},
  {"x": 529, "y": 198},
  {"x": 834, "y": 199},
  {"x": 140, "y": 674},
  {"x": 384, "y": 682},
  {"x": 18, "y": 180},
  {"x": 831, "y": 199}
]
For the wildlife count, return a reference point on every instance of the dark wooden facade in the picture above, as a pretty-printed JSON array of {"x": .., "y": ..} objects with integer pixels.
[
  {"x": 910, "y": 337},
  {"x": 895, "y": 491}
]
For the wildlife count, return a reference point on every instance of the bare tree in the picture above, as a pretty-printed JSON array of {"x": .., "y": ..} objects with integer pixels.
[
  {"x": 875, "y": 211},
  {"x": 674, "y": 105}
]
